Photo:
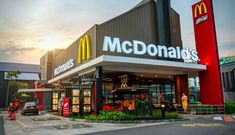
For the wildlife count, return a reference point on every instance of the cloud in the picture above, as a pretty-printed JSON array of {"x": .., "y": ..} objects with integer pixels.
[
  {"x": 11, "y": 51},
  {"x": 11, "y": 47}
]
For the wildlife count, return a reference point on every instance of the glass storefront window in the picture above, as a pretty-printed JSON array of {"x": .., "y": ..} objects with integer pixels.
[{"x": 168, "y": 93}]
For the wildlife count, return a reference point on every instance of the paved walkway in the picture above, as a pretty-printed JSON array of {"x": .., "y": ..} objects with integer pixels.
[
  {"x": 48, "y": 124},
  {"x": 2, "y": 131}
]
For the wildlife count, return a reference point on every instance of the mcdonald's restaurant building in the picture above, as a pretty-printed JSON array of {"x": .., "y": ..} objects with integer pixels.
[{"x": 138, "y": 54}]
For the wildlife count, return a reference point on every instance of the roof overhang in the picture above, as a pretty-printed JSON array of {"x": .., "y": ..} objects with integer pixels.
[
  {"x": 130, "y": 64},
  {"x": 34, "y": 90}
]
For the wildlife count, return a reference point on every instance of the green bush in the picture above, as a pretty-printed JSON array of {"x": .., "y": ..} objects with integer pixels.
[
  {"x": 110, "y": 115},
  {"x": 143, "y": 108},
  {"x": 91, "y": 117},
  {"x": 168, "y": 115},
  {"x": 230, "y": 107}
]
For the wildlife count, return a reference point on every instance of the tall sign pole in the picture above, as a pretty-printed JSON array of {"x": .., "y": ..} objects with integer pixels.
[{"x": 206, "y": 45}]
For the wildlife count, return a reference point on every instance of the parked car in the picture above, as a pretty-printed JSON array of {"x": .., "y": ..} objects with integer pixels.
[{"x": 30, "y": 107}]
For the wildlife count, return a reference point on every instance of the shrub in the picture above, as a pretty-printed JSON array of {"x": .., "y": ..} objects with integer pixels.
[
  {"x": 143, "y": 108},
  {"x": 110, "y": 115},
  {"x": 91, "y": 117},
  {"x": 168, "y": 115},
  {"x": 230, "y": 107}
]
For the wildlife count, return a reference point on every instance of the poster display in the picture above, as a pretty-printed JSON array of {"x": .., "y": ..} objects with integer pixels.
[
  {"x": 55, "y": 101},
  {"x": 87, "y": 100},
  {"x": 75, "y": 100}
]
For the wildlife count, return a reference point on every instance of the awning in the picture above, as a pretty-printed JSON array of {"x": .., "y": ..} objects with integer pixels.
[
  {"x": 34, "y": 90},
  {"x": 130, "y": 64}
]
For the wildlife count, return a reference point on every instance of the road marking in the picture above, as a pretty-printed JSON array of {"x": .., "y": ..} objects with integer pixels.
[
  {"x": 22, "y": 124},
  {"x": 228, "y": 119},
  {"x": 202, "y": 125},
  {"x": 233, "y": 117},
  {"x": 218, "y": 118}
]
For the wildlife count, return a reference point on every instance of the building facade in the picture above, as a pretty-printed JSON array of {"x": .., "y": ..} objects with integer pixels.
[
  {"x": 29, "y": 74},
  {"x": 228, "y": 77},
  {"x": 46, "y": 64},
  {"x": 137, "y": 55}
]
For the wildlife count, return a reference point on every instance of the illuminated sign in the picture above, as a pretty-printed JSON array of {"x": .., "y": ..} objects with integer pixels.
[
  {"x": 200, "y": 10},
  {"x": 206, "y": 45},
  {"x": 84, "y": 49},
  {"x": 140, "y": 48},
  {"x": 69, "y": 64}
]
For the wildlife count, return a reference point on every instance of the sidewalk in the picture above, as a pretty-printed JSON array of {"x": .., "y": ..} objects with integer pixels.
[{"x": 2, "y": 131}]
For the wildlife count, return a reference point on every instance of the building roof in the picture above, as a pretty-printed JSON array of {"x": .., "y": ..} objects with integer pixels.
[
  {"x": 29, "y": 68},
  {"x": 25, "y": 76},
  {"x": 230, "y": 60}
]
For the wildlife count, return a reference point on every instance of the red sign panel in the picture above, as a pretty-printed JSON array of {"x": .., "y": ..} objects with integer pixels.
[
  {"x": 66, "y": 107},
  {"x": 206, "y": 45}
]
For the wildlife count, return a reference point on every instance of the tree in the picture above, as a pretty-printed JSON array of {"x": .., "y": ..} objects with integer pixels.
[
  {"x": 13, "y": 75},
  {"x": 14, "y": 85}
]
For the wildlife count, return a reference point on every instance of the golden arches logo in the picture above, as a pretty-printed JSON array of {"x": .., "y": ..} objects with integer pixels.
[
  {"x": 199, "y": 8},
  {"x": 84, "y": 49}
]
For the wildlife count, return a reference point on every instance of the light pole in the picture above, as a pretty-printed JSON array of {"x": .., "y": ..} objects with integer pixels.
[{"x": 10, "y": 78}]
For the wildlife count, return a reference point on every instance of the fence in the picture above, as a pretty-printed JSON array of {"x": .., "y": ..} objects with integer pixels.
[{"x": 202, "y": 109}]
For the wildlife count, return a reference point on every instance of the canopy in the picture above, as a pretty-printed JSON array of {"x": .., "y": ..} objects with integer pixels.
[{"x": 34, "y": 90}]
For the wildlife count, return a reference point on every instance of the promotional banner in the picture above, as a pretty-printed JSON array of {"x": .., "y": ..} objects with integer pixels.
[
  {"x": 66, "y": 107},
  {"x": 206, "y": 45}
]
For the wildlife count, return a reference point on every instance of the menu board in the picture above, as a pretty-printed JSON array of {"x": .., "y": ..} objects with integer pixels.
[
  {"x": 75, "y": 108},
  {"x": 75, "y": 100},
  {"x": 55, "y": 101},
  {"x": 55, "y": 107},
  {"x": 76, "y": 92},
  {"x": 87, "y": 100},
  {"x": 87, "y": 108}
]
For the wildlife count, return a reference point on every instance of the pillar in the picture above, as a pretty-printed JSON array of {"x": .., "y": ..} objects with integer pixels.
[
  {"x": 181, "y": 86},
  {"x": 98, "y": 90},
  {"x": 164, "y": 22}
]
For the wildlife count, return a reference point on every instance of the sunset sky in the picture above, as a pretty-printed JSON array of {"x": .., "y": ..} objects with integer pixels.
[{"x": 28, "y": 28}]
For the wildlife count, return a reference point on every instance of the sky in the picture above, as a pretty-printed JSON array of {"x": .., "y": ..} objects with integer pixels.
[{"x": 29, "y": 28}]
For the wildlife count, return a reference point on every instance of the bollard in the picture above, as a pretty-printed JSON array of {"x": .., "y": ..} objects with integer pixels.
[{"x": 163, "y": 109}]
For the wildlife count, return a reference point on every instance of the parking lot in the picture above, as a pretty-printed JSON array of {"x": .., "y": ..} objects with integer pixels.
[{"x": 49, "y": 124}]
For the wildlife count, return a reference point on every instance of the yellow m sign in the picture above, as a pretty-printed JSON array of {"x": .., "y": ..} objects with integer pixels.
[
  {"x": 198, "y": 9},
  {"x": 84, "y": 49}
]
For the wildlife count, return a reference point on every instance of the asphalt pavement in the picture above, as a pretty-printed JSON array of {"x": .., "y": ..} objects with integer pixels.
[
  {"x": 2, "y": 131},
  {"x": 192, "y": 127},
  {"x": 49, "y": 124}
]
